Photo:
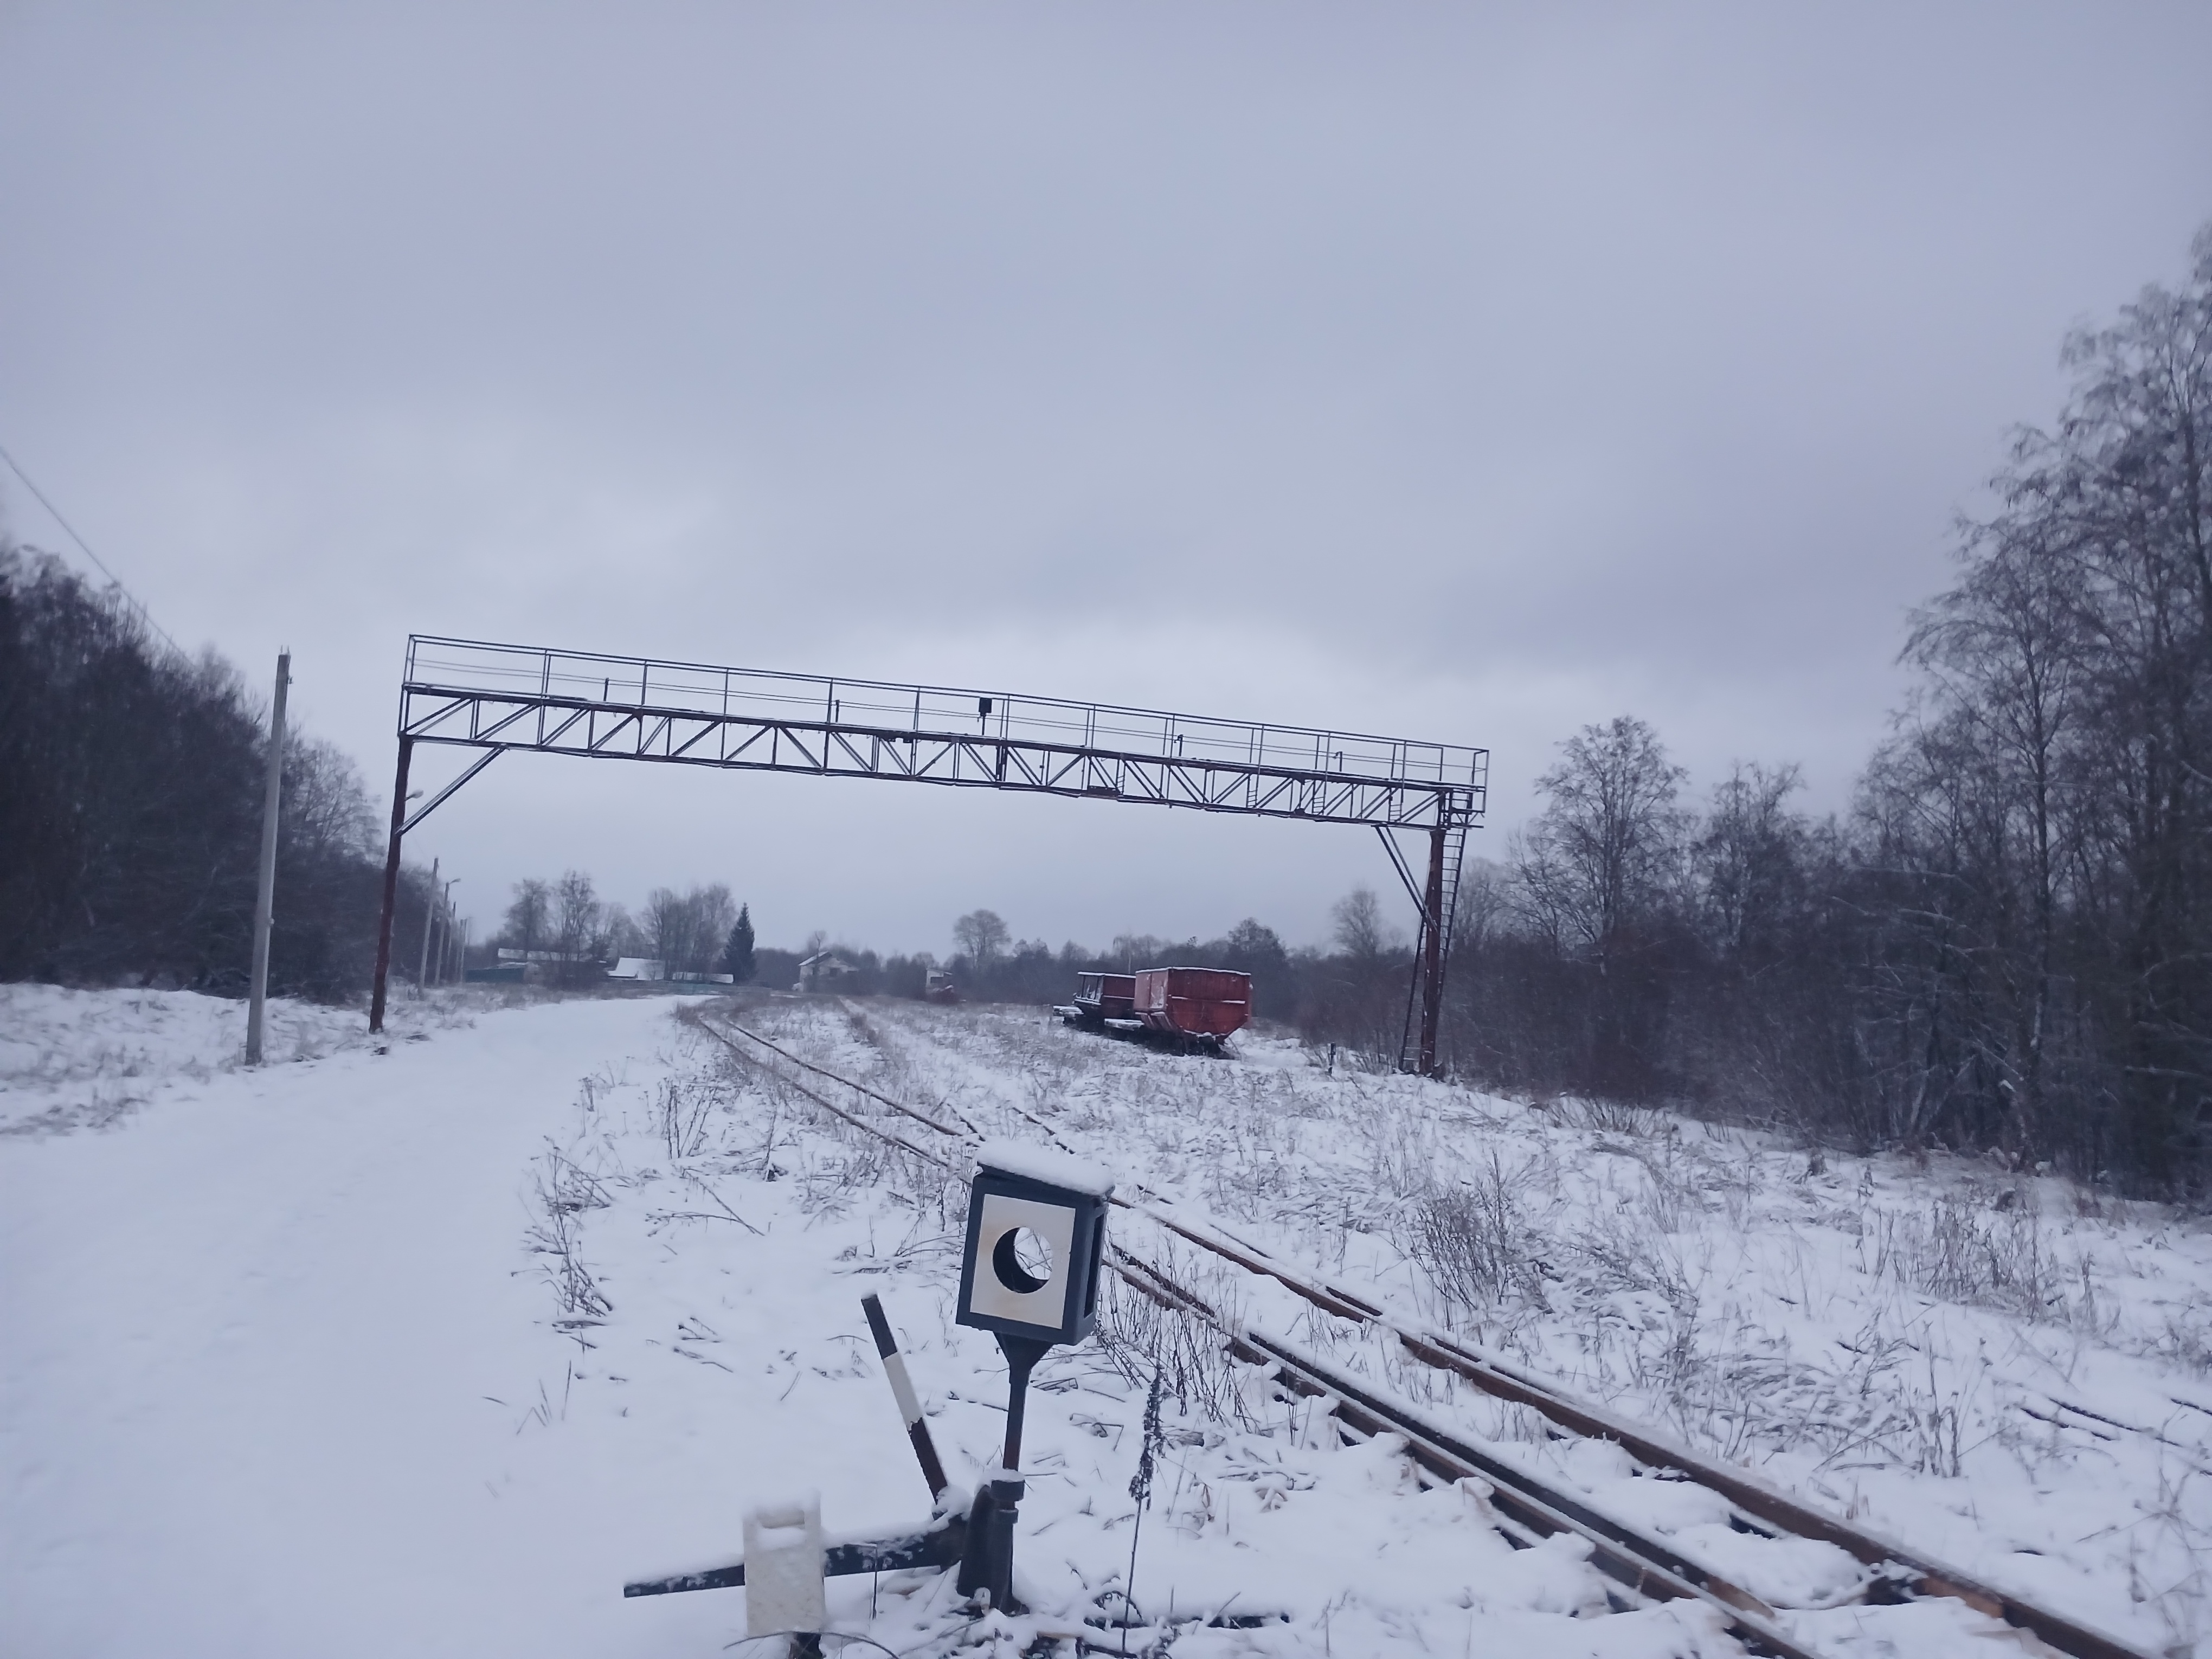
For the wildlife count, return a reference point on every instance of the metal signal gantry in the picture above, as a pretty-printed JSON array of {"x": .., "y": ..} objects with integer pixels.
[{"x": 494, "y": 698}]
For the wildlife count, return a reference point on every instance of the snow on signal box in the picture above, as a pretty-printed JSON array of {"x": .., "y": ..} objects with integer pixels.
[{"x": 1036, "y": 1237}]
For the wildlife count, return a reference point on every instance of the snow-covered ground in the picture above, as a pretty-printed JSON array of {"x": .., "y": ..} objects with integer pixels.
[
  {"x": 428, "y": 1350},
  {"x": 71, "y": 1059}
]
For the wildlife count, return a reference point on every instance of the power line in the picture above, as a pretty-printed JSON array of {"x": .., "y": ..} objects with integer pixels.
[{"x": 114, "y": 580}]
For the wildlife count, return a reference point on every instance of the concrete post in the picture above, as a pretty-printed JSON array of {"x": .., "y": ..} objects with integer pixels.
[{"x": 264, "y": 889}]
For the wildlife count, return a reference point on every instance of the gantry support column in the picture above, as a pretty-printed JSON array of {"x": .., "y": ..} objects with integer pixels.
[
  {"x": 1432, "y": 953},
  {"x": 391, "y": 887}
]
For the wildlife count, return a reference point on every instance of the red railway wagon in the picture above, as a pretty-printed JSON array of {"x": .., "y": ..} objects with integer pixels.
[
  {"x": 1193, "y": 1002},
  {"x": 1102, "y": 997}
]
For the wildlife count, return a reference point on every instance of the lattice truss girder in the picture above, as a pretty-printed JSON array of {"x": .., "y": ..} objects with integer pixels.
[
  {"x": 497, "y": 699},
  {"x": 748, "y": 742}
]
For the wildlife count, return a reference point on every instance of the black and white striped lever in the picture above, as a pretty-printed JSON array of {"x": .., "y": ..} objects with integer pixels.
[
  {"x": 942, "y": 1546},
  {"x": 909, "y": 1405}
]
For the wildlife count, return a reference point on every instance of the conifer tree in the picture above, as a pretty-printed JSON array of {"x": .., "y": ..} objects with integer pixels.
[{"x": 738, "y": 955}]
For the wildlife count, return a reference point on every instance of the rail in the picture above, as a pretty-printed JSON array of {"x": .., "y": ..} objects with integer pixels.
[{"x": 1642, "y": 1563}]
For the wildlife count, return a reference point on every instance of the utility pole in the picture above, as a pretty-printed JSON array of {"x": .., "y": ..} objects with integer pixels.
[
  {"x": 446, "y": 926},
  {"x": 429, "y": 921},
  {"x": 265, "y": 889}
]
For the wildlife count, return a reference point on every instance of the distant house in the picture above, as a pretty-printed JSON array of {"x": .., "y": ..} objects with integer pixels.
[
  {"x": 826, "y": 971},
  {"x": 537, "y": 967},
  {"x": 649, "y": 970}
]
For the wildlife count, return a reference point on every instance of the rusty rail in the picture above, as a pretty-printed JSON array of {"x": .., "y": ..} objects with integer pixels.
[
  {"x": 1644, "y": 1568},
  {"x": 1649, "y": 1566}
]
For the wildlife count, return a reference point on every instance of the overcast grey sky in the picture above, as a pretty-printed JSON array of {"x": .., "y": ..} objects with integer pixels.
[{"x": 1457, "y": 372}]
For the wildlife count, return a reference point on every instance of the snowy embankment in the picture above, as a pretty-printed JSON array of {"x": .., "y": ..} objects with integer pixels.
[
  {"x": 428, "y": 1350},
  {"x": 71, "y": 1059}
]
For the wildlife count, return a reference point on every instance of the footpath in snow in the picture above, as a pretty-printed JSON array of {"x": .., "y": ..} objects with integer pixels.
[{"x": 273, "y": 1347}]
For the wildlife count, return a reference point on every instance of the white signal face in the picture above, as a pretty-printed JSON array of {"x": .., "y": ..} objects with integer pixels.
[{"x": 1008, "y": 1286}]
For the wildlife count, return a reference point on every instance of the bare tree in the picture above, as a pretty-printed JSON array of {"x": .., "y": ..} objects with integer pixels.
[
  {"x": 619, "y": 935},
  {"x": 669, "y": 926},
  {"x": 576, "y": 913},
  {"x": 1483, "y": 903},
  {"x": 982, "y": 936},
  {"x": 1747, "y": 858},
  {"x": 1134, "y": 950},
  {"x": 713, "y": 913},
  {"x": 1358, "y": 928},
  {"x": 530, "y": 915},
  {"x": 1367, "y": 994},
  {"x": 687, "y": 933},
  {"x": 1606, "y": 849}
]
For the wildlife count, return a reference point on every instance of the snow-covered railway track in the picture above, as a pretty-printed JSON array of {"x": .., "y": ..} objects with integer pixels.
[{"x": 1643, "y": 1567}]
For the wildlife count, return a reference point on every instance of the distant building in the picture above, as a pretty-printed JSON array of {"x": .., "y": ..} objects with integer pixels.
[
  {"x": 826, "y": 971},
  {"x": 650, "y": 970}
]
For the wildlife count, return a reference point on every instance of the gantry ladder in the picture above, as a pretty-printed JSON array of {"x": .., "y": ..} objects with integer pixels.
[{"x": 1454, "y": 831}]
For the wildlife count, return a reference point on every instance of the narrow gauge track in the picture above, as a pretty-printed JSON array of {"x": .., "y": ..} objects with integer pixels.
[{"x": 1643, "y": 1569}]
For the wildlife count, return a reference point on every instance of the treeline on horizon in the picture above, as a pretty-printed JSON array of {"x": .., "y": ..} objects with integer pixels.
[
  {"x": 131, "y": 798},
  {"x": 564, "y": 926}
]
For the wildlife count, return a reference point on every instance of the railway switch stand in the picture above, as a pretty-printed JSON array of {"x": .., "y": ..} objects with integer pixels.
[
  {"x": 1036, "y": 1247},
  {"x": 1028, "y": 1274}
]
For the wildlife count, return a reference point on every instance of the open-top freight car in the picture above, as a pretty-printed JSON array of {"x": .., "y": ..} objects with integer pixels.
[
  {"x": 1102, "y": 997},
  {"x": 1195, "y": 1002},
  {"x": 1190, "y": 1008}
]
